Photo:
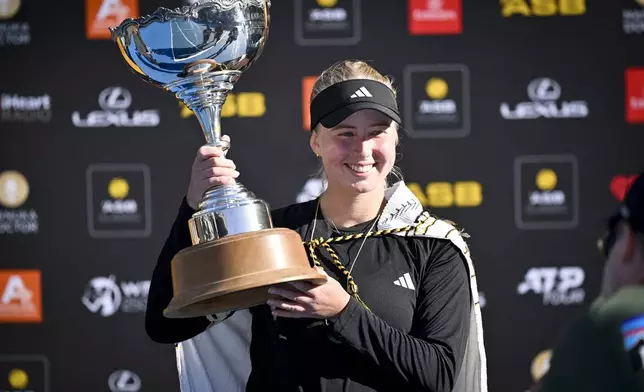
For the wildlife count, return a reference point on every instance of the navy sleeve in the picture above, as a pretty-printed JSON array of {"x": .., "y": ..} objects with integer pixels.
[
  {"x": 158, "y": 327},
  {"x": 430, "y": 356}
]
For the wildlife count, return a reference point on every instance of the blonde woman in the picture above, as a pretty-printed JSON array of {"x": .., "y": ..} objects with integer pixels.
[{"x": 401, "y": 311}]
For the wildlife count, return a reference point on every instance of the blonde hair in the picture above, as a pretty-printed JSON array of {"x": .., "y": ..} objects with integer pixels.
[{"x": 347, "y": 70}]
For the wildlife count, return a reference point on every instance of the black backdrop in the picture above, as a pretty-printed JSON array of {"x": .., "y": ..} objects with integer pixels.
[{"x": 524, "y": 136}]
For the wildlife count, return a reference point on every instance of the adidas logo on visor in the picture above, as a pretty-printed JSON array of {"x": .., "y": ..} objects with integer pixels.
[{"x": 362, "y": 92}]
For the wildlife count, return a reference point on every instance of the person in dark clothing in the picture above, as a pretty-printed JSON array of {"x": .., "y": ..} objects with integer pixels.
[
  {"x": 603, "y": 349},
  {"x": 400, "y": 309}
]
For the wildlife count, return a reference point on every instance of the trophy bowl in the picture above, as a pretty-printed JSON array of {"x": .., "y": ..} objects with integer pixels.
[{"x": 198, "y": 53}]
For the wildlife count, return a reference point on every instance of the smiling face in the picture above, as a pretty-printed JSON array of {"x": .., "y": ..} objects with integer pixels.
[{"x": 359, "y": 152}]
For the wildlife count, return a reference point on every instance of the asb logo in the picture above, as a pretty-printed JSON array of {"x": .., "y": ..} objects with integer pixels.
[
  {"x": 620, "y": 185},
  {"x": 25, "y": 108},
  {"x": 14, "y": 191},
  {"x": 437, "y": 101},
  {"x": 544, "y": 94},
  {"x": 104, "y": 296},
  {"x": 12, "y": 32},
  {"x": 635, "y": 95},
  {"x": 250, "y": 104},
  {"x": 542, "y": 7},
  {"x": 327, "y": 22},
  {"x": 115, "y": 102},
  {"x": 21, "y": 300},
  {"x": 557, "y": 285},
  {"x": 633, "y": 18},
  {"x": 428, "y": 17},
  {"x": 546, "y": 192},
  {"x": 460, "y": 194},
  {"x": 118, "y": 201},
  {"x": 24, "y": 373},
  {"x": 102, "y": 14},
  {"x": 124, "y": 381}
]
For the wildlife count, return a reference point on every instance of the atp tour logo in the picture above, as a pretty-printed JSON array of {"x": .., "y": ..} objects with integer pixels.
[
  {"x": 124, "y": 381},
  {"x": 105, "y": 296},
  {"x": 557, "y": 285},
  {"x": 327, "y": 22},
  {"x": 544, "y": 94},
  {"x": 115, "y": 102},
  {"x": 26, "y": 109}
]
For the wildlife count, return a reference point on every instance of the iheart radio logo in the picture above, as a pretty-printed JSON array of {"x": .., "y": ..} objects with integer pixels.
[{"x": 619, "y": 185}]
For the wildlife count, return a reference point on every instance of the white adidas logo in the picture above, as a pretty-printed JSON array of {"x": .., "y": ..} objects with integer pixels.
[
  {"x": 362, "y": 92},
  {"x": 405, "y": 281}
]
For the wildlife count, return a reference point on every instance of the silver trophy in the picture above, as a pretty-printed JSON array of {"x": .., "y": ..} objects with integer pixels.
[{"x": 198, "y": 53}]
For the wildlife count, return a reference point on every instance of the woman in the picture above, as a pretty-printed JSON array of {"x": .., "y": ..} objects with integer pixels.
[{"x": 400, "y": 312}]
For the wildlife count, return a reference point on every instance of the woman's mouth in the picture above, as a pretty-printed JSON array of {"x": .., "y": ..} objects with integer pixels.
[{"x": 360, "y": 169}]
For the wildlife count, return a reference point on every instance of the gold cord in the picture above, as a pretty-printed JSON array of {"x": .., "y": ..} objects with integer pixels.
[{"x": 422, "y": 224}]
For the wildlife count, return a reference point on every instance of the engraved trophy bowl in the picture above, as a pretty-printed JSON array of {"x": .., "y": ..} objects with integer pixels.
[{"x": 198, "y": 53}]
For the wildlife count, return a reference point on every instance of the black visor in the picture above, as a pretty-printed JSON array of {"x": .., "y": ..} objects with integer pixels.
[{"x": 341, "y": 100}]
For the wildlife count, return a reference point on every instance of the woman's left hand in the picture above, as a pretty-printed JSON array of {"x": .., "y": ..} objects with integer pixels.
[{"x": 303, "y": 299}]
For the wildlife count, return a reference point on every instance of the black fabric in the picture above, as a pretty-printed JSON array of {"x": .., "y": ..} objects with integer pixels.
[
  {"x": 414, "y": 339},
  {"x": 631, "y": 210},
  {"x": 337, "y": 102},
  {"x": 634, "y": 202}
]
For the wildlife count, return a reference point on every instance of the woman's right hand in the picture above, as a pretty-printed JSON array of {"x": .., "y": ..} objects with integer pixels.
[{"x": 210, "y": 168}]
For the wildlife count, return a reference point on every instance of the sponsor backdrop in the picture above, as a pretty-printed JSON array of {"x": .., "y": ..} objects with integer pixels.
[{"x": 523, "y": 122}]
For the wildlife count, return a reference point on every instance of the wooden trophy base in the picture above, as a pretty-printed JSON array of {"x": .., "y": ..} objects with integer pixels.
[{"x": 235, "y": 272}]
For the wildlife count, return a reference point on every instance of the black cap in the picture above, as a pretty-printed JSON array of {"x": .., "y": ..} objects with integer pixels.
[
  {"x": 633, "y": 206},
  {"x": 339, "y": 101}
]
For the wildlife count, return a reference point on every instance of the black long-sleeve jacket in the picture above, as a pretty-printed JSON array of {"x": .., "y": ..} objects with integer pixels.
[{"x": 412, "y": 338}]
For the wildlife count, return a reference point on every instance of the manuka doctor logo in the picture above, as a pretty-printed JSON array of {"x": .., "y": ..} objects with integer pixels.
[
  {"x": 115, "y": 102},
  {"x": 544, "y": 94},
  {"x": 15, "y": 218},
  {"x": 21, "y": 108}
]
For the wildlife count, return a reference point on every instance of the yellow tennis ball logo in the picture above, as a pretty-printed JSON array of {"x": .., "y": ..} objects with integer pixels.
[
  {"x": 436, "y": 88},
  {"x": 546, "y": 179},
  {"x": 18, "y": 379},
  {"x": 118, "y": 188},
  {"x": 327, "y": 3}
]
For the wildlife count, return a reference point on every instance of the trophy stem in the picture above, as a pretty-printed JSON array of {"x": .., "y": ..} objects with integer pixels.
[{"x": 205, "y": 94}]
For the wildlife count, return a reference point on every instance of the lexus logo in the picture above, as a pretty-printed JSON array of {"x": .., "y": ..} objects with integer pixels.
[
  {"x": 544, "y": 89},
  {"x": 124, "y": 381},
  {"x": 114, "y": 98}
]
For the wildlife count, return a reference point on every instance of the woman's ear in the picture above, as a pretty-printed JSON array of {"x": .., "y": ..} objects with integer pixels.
[{"x": 313, "y": 142}]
